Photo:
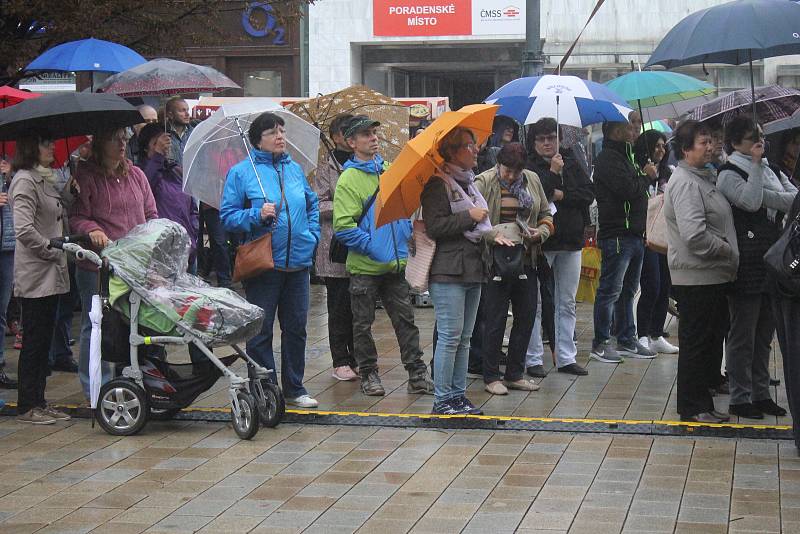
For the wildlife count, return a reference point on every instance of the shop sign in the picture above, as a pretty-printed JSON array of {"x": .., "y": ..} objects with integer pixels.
[{"x": 426, "y": 18}]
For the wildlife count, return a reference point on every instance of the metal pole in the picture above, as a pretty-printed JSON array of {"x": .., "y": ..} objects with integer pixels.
[{"x": 532, "y": 59}]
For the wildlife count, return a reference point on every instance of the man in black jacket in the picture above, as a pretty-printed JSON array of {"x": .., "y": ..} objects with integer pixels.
[
  {"x": 569, "y": 189},
  {"x": 621, "y": 190}
]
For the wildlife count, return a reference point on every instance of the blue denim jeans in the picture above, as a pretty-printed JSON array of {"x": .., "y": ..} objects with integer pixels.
[
  {"x": 455, "y": 306},
  {"x": 566, "y": 269},
  {"x": 620, "y": 270},
  {"x": 6, "y": 287},
  {"x": 87, "y": 286},
  {"x": 287, "y": 295}
]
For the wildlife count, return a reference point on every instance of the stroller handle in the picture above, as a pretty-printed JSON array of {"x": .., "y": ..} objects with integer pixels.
[
  {"x": 70, "y": 244},
  {"x": 59, "y": 242}
]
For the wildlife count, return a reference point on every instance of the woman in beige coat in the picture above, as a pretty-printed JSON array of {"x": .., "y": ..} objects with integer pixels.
[
  {"x": 40, "y": 273},
  {"x": 521, "y": 222}
]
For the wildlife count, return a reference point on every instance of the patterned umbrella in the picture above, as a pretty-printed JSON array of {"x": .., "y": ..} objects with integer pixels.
[
  {"x": 773, "y": 103},
  {"x": 166, "y": 77},
  {"x": 358, "y": 100}
]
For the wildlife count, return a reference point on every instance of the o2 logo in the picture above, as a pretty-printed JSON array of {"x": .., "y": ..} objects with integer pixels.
[{"x": 270, "y": 24}]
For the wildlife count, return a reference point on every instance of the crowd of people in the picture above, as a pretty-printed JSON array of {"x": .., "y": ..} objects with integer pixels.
[{"x": 509, "y": 221}]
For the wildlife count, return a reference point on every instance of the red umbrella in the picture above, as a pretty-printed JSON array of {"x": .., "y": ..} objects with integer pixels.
[{"x": 10, "y": 96}]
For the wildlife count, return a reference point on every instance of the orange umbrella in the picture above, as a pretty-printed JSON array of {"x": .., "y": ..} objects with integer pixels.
[{"x": 401, "y": 185}]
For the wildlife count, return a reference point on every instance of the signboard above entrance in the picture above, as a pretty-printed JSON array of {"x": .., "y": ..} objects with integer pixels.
[{"x": 428, "y": 18}]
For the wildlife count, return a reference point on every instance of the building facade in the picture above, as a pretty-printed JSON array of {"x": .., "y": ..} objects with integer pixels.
[{"x": 464, "y": 49}]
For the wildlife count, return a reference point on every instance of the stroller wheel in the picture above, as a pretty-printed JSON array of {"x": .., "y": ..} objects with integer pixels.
[
  {"x": 245, "y": 422},
  {"x": 122, "y": 407},
  {"x": 271, "y": 406}
]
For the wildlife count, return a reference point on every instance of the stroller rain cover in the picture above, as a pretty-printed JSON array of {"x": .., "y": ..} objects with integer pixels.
[{"x": 151, "y": 261}]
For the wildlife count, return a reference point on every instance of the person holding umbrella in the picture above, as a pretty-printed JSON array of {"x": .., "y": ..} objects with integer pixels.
[
  {"x": 166, "y": 183},
  {"x": 41, "y": 274},
  {"x": 114, "y": 196},
  {"x": 568, "y": 187},
  {"x": 759, "y": 199},
  {"x": 456, "y": 217},
  {"x": 337, "y": 281},
  {"x": 290, "y": 212}
]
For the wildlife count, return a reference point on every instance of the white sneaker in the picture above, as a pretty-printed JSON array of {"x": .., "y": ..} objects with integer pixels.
[
  {"x": 303, "y": 401},
  {"x": 663, "y": 346},
  {"x": 645, "y": 342}
]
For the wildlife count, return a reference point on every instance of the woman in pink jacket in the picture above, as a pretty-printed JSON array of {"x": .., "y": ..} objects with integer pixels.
[{"x": 113, "y": 197}]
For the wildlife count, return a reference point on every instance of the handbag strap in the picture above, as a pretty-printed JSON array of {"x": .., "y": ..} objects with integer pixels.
[{"x": 368, "y": 205}]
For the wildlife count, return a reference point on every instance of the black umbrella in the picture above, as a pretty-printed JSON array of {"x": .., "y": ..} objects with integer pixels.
[
  {"x": 67, "y": 115},
  {"x": 734, "y": 33}
]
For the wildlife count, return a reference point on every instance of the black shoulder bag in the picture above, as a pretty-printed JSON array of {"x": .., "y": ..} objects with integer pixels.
[
  {"x": 783, "y": 259},
  {"x": 338, "y": 250}
]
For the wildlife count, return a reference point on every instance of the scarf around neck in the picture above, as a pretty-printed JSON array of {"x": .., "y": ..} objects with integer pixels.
[
  {"x": 463, "y": 195},
  {"x": 47, "y": 173},
  {"x": 518, "y": 188}
]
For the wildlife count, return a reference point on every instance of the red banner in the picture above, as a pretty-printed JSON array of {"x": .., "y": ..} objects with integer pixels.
[{"x": 421, "y": 18}]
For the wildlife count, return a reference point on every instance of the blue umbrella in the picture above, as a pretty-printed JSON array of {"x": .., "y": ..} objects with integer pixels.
[
  {"x": 87, "y": 55},
  {"x": 569, "y": 99},
  {"x": 734, "y": 33}
]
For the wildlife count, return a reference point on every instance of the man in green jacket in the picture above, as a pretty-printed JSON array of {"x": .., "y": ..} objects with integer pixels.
[{"x": 376, "y": 261}]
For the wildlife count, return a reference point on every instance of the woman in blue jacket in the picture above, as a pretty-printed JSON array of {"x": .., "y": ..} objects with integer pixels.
[{"x": 291, "y": 214}]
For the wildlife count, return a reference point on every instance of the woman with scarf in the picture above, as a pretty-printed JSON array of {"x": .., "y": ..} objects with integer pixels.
[
  {"x": 520, "y": 216},
  {"x": 40, "y": 273},
  {"x": 455, "y": 216},
  {"x": 760, "y": 197},
  {"x": 290, "y": 213}
]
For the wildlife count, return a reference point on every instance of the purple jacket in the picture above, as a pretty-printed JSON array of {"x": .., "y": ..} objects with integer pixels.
[
  {"x": 166, "y": 181},
  {"x": 112, "y": 204}
]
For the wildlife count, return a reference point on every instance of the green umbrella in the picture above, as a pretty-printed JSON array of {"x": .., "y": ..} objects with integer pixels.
[{"x": 649, "y": 89}]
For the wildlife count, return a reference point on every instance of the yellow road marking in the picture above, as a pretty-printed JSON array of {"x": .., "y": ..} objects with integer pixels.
[{"x": 489, "y": 418}]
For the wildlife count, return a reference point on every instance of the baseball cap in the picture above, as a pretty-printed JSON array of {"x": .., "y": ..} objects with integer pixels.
[{"x": 359, "y": 123}]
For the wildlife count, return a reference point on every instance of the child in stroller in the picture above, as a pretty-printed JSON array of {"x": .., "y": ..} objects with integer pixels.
[{"x": 149, "y": 301}]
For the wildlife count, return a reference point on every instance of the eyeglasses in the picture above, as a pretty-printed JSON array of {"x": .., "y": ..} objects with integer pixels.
[
  {"x": 469, "y": 146},
  {"x": 546, "y": 138},
  {"x": 150, "y": 121}
]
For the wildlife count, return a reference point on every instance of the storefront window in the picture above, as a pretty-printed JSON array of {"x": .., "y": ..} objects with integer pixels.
[{"x": 262, "y": 83}]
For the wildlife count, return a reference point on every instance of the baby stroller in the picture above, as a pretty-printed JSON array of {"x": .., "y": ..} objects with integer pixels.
[{"x": 149, "y": 302}]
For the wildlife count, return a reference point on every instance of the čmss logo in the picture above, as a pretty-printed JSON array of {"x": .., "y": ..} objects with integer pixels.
[{"x": 508, "y": 13}]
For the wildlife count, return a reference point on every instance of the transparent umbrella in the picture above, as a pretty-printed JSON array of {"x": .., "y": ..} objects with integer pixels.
[{"x": 220, "y": 142}]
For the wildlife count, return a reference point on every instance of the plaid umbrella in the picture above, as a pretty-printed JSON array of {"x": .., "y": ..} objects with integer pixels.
[
  {"x": 773, "y": 103},
  {"x": 357, "y": 100},
  {"x": 166, "y": 77}
]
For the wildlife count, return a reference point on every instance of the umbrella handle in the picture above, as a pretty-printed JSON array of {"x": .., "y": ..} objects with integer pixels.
[
  {"x": 558, "y": 123},
  {"x": 250, "y": 156}
]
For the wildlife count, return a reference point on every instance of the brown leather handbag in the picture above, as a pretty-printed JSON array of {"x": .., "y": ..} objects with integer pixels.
[{"x": 255, "y": 257}]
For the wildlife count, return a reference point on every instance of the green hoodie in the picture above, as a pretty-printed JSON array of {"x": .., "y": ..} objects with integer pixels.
[{"x": 371, "y": 251}]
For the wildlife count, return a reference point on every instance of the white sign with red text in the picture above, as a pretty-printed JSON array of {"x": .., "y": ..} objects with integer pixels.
[{"x": 498, "y": 17}]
